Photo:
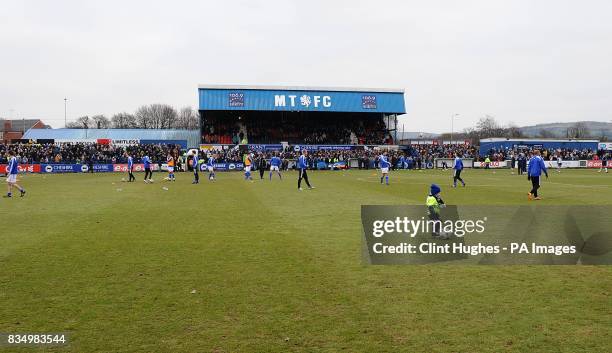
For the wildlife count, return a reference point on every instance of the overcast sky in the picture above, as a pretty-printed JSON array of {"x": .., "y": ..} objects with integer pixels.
[{"x": 521, "y": 61}]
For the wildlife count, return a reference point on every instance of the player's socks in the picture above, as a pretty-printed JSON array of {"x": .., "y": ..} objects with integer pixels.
[
  {"x": 381, "y": 179},
  {"x": 387, "y": 179},
  {"x": 270, "y": 175}
]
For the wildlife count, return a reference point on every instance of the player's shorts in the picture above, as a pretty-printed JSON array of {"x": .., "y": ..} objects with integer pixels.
[
  {"x": 273, "y": 168},
  {"x": 170, "y": 169},
  {"x": 247, "y": 168},
  {"x": 604, "y": 163},
  {"x": 12, "y": 178},
  {"x": 384, "y": 170},
  {"x": 211, "y": 169}
]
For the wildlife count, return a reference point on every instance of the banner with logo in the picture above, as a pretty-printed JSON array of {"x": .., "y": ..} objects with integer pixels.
[
  {"x": 182, "y": 143},
  {"x": 596, "y": 164},
  {"x": 262, "y": 147},
  {"x": 75, "y": 168},
  {"x": 492, "y": 164},
  {"x": 606, "y": 146},
  {"x": 138, "y": 167},
  {"x": 214, "y": 147},
  {"x": 100, "y": 168},
  {"x": 298, "y": 148},
  {"x": 23, "y": 168},
  {"x": 224, "y": 167},
  {"x": 64, "y": 168},
  {"x": 125, "y": 142}
]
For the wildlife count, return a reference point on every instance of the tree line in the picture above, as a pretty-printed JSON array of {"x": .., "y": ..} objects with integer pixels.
[
  {"x": 488, "y": 127},
  {"x": 152, "y": 116}
]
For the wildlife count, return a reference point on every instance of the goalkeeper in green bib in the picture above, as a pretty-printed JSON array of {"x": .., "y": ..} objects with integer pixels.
[{"x": 434, "y": 203}]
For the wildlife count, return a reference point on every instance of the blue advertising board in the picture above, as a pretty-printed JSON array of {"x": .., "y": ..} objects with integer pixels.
[
  {"x": 75, "y": 168},
  {"x": 223, "y": 167},
  {"x": 262, "y": 147},
  {"x": 301, "y": 100},
  {"x": 326, "y": 147},
  {"x": 182, "y": 143},
  {"x": 63, "y": 168},
  {"x": 103, "y": 168}
]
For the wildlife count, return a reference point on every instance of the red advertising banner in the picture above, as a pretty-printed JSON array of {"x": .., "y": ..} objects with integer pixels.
[
  {"x": 595, "y": 164},
  {"x": 138, "y": 167},
  {"x": 23, "y": 168}
]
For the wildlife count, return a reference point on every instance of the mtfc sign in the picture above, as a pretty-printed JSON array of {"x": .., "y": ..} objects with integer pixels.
[{"x": 291, "y": 100}]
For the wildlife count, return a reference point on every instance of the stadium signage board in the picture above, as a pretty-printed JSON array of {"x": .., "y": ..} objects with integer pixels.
[
  {"x": 326, "y": 147},
  {"x": 224, "y": 166},
  {"x": 606, "y": 146},
  {"x": 130, "y": 142},
  {"x": 492, "y": 164},
  {"x": 207, "y": 147},
  {"x": 594, "y": 164},
  {"x": 236, "y": 99},
  {"x": 293, "y": 100},
  {"x": 263, "y": 147},
  {"x": 23, "y": 168},
  {"x": 84, "y": 168},
  {"x": 368, "y": 101},
  {"x": 182, "y": 143}
]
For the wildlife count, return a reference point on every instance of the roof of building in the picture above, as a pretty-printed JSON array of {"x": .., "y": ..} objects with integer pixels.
[
  {"x": 301, "y": 88},
  {"x": 191, "y": 136},
  {"x": 20, "y": 124}
]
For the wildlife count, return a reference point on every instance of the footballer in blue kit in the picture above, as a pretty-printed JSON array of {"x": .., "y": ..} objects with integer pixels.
[
  {"x": 148, "y": 178},
  {"x": 302, "y": 165},
  {"x": 457, "y": 168},
  {"x": 383, "y": 163},
  {"x": 196, "y": 169},
  {"x": 11, "y": 180},
  {"x": 210, "y": 165},
  {"x": 130, "y": 168},
  {"x": 275, "y": 165}
]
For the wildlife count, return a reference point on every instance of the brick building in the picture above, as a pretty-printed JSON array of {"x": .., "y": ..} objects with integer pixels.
[{"x": 14, "y": 129}]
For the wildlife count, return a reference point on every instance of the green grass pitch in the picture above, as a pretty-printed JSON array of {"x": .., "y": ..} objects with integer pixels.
[{"x": 237, "y": 266}]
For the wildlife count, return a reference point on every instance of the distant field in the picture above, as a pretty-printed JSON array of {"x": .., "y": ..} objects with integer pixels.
[{"x": 235, "y": 266}]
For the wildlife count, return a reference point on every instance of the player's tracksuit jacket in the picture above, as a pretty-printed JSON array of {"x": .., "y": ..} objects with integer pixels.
[{"x": 536, "y": 166}]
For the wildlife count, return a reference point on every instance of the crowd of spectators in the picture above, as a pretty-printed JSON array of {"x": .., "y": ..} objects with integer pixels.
[
  {"x": 547, "y": 154},
  {"x": 86, "y": 153},
  {"x": 416, "y": 155},
  {"x": 266, "y": 129}
]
